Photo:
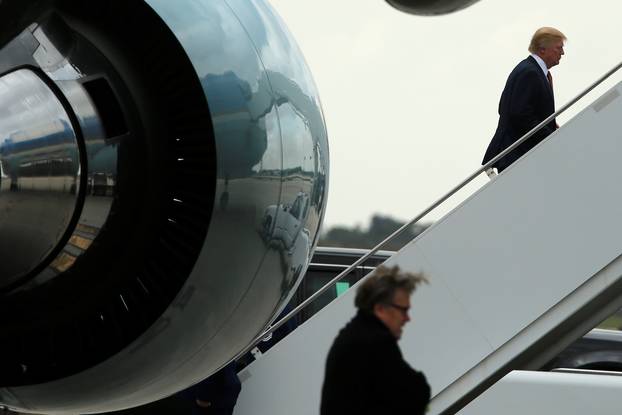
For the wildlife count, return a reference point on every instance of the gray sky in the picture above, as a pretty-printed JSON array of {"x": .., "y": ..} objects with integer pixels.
[{"x": 411, "y": 102}]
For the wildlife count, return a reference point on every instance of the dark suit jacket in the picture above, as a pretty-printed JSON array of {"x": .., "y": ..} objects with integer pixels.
[
  {"x": 366, "y": 374},
  {"x": 526, "y": 101}
]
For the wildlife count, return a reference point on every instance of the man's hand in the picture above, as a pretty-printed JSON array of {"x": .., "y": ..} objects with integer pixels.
[{"x": 204, "y": 404}]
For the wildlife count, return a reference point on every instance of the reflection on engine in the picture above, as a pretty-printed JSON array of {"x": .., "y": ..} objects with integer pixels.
[{"x": 39, "y": 165}]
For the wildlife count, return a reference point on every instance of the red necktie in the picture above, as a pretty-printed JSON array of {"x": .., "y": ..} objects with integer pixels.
[{"x": 550, "y": 78}]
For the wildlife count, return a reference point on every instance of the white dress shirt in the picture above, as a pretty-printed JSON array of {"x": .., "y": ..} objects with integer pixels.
[{"x": 541, "y": 63}]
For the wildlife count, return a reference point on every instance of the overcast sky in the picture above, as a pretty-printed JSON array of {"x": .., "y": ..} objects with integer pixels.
[{"x": 411, "y": 102}]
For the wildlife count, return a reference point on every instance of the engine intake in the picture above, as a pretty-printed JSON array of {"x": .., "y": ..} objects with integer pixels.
[{"x": 164, "y": 172}]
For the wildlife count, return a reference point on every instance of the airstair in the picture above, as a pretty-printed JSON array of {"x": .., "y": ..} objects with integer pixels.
[{"x": 519, "y": 270}]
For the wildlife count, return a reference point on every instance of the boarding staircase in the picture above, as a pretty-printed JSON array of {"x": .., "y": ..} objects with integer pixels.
[{"x": 512, "y": 280}]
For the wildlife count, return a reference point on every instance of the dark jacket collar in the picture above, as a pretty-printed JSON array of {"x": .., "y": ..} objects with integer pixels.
[
  {"x": 535, "y": 63},
  {"x": 371, "y": 320}
]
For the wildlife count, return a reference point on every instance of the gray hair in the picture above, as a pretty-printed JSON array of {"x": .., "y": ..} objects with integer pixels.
[{"x": 380, "y": 287}]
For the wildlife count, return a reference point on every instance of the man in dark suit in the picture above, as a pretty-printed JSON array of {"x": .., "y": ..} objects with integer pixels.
[
  {"x": 365, "y": 372},
  {"x": 527, "y": 98}
]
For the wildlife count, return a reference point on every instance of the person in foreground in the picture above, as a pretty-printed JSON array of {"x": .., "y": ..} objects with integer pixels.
[
  {"x": 365, "y": 372},
  {"x": 527, "y": 98}
]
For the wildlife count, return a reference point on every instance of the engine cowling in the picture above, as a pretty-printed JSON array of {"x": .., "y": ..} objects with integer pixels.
[
  {"x": 430, "y": 7},
  {"x": 164, "y": 171}
]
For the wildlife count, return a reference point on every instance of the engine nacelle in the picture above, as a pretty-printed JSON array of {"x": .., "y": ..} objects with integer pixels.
[
  {"x": 430, "y": 7},
  {"x": 164, "y": 170}
]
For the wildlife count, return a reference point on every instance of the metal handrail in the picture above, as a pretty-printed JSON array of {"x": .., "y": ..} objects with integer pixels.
[
  {"x": 587, "y": 371},
  {"x": 433, "y": 206}
]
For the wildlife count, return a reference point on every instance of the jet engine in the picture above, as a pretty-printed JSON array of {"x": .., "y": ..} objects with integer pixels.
[
  {"x": 430, "y": 7},
  {"x": 164, "y": 170}
]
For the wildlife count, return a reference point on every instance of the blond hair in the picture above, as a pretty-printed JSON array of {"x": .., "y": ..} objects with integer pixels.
[{"x": 545, "y": 37}]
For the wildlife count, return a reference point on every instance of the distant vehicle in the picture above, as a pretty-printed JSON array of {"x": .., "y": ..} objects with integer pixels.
[
  {"x": 102, "y": 184},
  {"x": 325, "y": 265},
  {"x": 285, "y": 222},
  {"x": 598, "y": 350},
  {"x": 5, "y": 181}
]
